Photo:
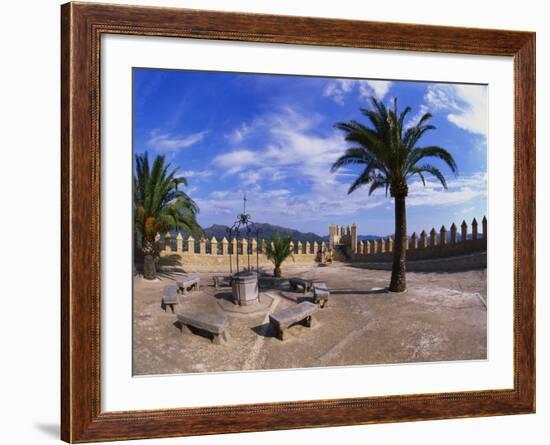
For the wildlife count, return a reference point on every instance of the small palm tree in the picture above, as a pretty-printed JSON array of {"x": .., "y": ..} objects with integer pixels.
[
  {"x": 159, "y": 207},
  {"x": 390, "y": 158},
  {"x": 277, "y": 251}
]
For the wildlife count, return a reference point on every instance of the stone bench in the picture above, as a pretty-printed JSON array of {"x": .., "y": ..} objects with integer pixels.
[
  {"x": 222, "y": 280},
  {"x": 169, "y": 297},
  {"x": 213, "y": 323},
  {"x": 303, "y": 283},
  {"x": 285, "y": 318},
  {"x": 187, "y": 282},
  {"x": 320, "y": 294}
]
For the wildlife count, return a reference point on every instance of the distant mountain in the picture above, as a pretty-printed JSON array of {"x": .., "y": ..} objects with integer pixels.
[
  {"x": 270, "y": 230},
  {"x": 265, "y": 231},
  {"x": 369, "y": 237}
]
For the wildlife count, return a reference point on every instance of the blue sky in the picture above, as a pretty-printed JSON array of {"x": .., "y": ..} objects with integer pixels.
[{"x": 273, "y": 138}]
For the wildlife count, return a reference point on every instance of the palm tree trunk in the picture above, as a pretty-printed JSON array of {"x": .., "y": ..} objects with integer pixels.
[
  {"x": 277, "y": 271},
  {"x": 149, "y": 264},
  {"x": 398, "y": 281}
]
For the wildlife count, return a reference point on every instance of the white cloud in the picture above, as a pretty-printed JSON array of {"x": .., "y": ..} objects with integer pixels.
[
  {"x": 279, "y": 192},
  {"x": 338, "y": 89},
  {"x": 377, "y": 88},
  {"x": 238, "y": 134},
  {"x": 198, "y": 174},
  {"x": 291, "y": 148},
  {"x": 465, "y": 105},
  {"x": 250, "y": 177},
  {"x": 460, "y": 191},
  {"x": 287, "y": 139},
  {"x": 237, "y": 160},
  {"x": 165, "y": 142}
]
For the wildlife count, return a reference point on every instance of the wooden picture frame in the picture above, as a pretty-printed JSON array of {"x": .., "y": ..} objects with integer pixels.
[{"x": 82, "y": 26}]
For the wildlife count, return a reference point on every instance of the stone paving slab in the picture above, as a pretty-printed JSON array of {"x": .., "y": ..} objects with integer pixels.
[{"x": 441, "y": 317}]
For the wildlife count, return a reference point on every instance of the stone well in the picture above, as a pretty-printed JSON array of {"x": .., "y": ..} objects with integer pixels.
[{"x": 245, "y": 288}]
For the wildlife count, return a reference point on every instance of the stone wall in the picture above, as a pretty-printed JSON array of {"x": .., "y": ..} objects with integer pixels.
[
  {"x": 221, "y": 255},
  {"x": 343, "y": 245},
  {"x": 427, "y": 245}
]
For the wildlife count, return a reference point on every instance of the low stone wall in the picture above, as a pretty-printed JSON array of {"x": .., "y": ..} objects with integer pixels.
[
  {"x": 458, "y": 240},
  {"x": 221, "y": 263},
  {"x": 221, "y": 255},
  {"x": 457, "y": 263},
  {"x": 420, "y": 252},
  {"x": 464, "y": 249}
]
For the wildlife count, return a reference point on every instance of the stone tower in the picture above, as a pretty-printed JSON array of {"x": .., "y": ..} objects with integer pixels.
[
  {"x": 333, "y": 236},
  {"x": 353, "y": 235},
  {"x": 343, "y": 236}
]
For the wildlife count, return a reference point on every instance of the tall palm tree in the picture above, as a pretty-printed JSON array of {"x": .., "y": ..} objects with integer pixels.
[
  {"x": 389, "y": 154},
  {"x": 159, "y": 206},
  {"x": 277, "y": 251}
]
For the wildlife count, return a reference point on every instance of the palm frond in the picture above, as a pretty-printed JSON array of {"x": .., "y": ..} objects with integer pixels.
[
  {"x": 433, "y": 151},
  {"x": 388, "y": 152},
  {"x": 434, "y": 171},
  {"x": 159, "y": 205},
  {"x": 277, "y": 250}
]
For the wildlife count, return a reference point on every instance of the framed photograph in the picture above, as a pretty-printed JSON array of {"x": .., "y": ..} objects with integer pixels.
[{"x": 275, "y": 222}]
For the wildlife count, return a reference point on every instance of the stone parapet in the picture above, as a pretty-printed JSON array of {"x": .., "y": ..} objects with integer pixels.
[{"x": 430, "y": 244}]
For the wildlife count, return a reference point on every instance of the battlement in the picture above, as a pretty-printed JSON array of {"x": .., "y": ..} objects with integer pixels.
[{"x": 428, "y": 244}]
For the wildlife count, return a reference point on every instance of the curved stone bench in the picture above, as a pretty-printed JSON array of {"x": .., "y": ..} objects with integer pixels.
[
  {"x": 211, "y": 322},
  {"x": 283, "y": 319}
]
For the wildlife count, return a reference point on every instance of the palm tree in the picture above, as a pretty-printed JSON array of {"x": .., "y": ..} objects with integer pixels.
[
  {"x": 159, "y": 207},
  {"x": 390, "y": 157},
  {"x": 277, "y": 251}
]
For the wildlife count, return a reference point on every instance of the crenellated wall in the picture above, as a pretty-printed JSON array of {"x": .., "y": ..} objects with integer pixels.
[
  {"x": 214, "y": 254},
  {"x": 432, "y": 244}
]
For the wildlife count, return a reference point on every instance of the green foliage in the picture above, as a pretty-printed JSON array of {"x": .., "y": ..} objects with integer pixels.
[
  {"x": 278, "y": 249},
  {"x": 159, "y": 205},
  {"x": 388, "y": 150}
]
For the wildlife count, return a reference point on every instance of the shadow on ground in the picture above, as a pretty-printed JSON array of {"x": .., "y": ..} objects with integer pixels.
[
  {"x": 384, "y": 290},
  {"x": 263, "y": 330}
]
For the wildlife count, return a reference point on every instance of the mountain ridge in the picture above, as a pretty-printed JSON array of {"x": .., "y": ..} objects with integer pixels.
[{"x": 269, "y": 230}]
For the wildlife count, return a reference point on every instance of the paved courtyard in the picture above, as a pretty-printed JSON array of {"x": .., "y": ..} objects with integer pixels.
[{"x": 442, "y": 316}]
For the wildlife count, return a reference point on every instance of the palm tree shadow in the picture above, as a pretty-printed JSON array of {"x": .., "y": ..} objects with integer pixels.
[
  {"x": 173, "y": 260},
  {"x": 169, "y": 267}
]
